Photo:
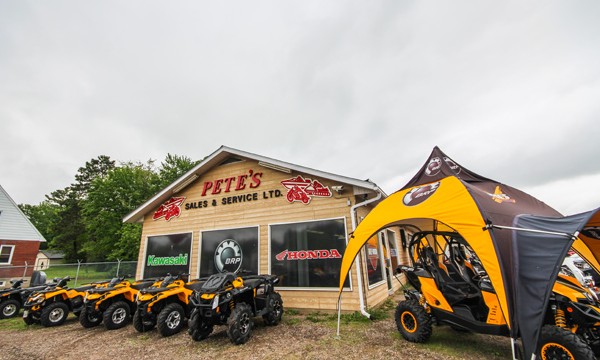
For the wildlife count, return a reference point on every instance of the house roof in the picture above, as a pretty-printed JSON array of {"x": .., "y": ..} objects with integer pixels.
[
  {"x": 14, "y": 225},
  {"x": 53, "y": 255},
  {"x": 222, "y": 154}
]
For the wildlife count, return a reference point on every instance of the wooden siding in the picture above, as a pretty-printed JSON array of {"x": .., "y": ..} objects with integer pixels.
[{"x": 262, "y": 213}]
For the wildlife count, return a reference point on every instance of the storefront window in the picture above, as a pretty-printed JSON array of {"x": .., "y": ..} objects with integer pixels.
[
  {"x": 167, "y": 254},
  {"x": 373, "y": 259},
  {"x": 229, "y": 250},
  {"x": 308, "y": 254}
]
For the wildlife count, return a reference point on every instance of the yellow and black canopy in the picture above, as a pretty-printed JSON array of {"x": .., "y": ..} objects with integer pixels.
[{"x": 445, "y": 194}]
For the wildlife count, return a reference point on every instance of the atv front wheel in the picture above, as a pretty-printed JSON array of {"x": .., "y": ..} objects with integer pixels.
[
  {"x": 413, "y": 322},
  {"x": 54, "y": 314},
  {"x": 170, "y": 320},
  {"x": 89, "y": 318},
  {"x": 29, "y": 320},
  {"x": 275, "y": 305},
  {"x": 557, "y": 344},
  {"x": 9, "y": 308},
  {"x": 240, "y": 324},
  {"x": 197, "y": 327},
  {"x": 140, "y": 324},
  {"x": 116, "y": 316}
]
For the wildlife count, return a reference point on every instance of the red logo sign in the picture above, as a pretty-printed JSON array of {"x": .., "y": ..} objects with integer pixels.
[
  {"x": 171, "y": 208},
  {"x": 308, "y": 254},
  {"x": 301, "y": 189}
]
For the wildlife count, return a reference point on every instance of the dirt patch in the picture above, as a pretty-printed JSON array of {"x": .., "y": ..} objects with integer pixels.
[{"x": 296, "y": 337}]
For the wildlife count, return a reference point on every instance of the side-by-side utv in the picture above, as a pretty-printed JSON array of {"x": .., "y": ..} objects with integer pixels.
[{"x": 451, "y": 287}]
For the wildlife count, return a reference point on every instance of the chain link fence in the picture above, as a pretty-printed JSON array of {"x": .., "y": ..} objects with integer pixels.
[{"x": 80, "y": 273}]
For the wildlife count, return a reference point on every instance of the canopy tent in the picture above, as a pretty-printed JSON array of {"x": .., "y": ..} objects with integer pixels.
[{"x": 484, "y": 211}]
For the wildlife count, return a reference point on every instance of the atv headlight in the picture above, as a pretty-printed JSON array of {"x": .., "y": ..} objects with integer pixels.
[
  {"x": 37, "y": 299},
  {"x": 215, "y": 303}
]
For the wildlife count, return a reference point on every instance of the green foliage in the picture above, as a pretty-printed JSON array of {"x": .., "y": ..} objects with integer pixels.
[{"x": 84, "y": 220}]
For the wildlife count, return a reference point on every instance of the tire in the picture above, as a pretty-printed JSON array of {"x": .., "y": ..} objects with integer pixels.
[
  {"x": 116, "y": 315},
  {"x": 9, "y": 308},
  {"x": 171, "y": 319},
  {"x": 89, "y": 319},
  {"x": 558, "y": 343},
  {"x": 197, "y": 327},
  {"x": 54, "y": 314},
  {"x": 413, "y": 322},
  {"x": 240, "y": 324},
  {"x": 142, "y": 325},
  {"x": 275, "y": 313}
]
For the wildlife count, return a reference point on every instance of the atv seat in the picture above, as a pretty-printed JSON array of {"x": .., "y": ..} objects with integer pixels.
[
  {"x": 142, "y": 285},
  {"x": 84, "y": 288},
  {"x": 455, "y": 289},
  {"x": 100, "y": 290},
  {"x": 195, "y": 286},
  {"x": 153, "y": 290},
  {"x": 253, "y": 283}
]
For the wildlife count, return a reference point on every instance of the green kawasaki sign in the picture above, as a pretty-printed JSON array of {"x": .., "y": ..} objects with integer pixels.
[{"x": 167, "y": 260}]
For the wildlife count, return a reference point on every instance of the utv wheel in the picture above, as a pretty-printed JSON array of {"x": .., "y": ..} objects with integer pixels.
[
  {"x": 140, "y": 324},
  {"x": 275, "y": 305},
  {"x": 170, "y": 320},
  {"x": 197, "y": 327},
  {"x": 9, "y": 308},
  {"x": 116, "y": 316},
  {"x": 240, "y": 324},
  {"x": 413, "y": 322},
  {"x": 89, "y": 318},
  {"x": 54, "y": 314},
  {"x": 558, "y": 344}
]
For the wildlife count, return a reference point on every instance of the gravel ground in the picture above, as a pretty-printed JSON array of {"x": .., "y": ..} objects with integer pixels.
[{"x": 297, "y": 337}]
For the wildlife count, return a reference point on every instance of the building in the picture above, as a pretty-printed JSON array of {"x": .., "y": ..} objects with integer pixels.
[
  {"x": 19, "y": 241},
  {"x": 46, "y": 258},
  {"x": 238, "y": 210}
]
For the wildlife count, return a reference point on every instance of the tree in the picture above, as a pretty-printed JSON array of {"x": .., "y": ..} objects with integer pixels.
[
  {"x": 42, "y": 216},
  {"x": 67, "y": 227},
  {"x": 173, "y": 167}
]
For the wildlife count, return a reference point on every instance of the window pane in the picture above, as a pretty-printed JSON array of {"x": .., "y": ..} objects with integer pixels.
[
  {"x": 308, "y": 254},
  {"x": 374, "y": 268},
  {"x": 168, "y": 254},
  {"x": 229, "y": 250},
  {"x": 5, "y": 252}
]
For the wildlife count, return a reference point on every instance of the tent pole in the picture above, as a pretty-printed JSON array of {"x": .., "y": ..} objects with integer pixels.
[
  {"x": 571, "y": 236},
  {"x": 339, "y": 314}
]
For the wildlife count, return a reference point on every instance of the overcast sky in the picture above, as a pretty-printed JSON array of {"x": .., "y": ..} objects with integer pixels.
[{"x": 366, "y": 89}]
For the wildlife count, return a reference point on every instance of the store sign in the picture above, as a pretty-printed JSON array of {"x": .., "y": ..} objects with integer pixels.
[
  {"x": 303, "y": 190},
  {"x": 171, "y": 208},
  {"x": 167, "y": 254},
  {"x": 308, "y": 255},
  {"x": 235, "y": 183}
]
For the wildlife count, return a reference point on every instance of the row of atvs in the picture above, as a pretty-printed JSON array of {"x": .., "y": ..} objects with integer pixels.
[{"x": 164, "y": 303}]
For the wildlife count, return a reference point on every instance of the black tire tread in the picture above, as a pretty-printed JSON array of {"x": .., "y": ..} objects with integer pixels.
[
  {"x": 161, "y": 321},
  {"x": 572, "y": 342},
  {"x": 107, "y": 315},
  {"x": 45, "y": 315},
  {"x": 233, "y": 330},
  {"x": 85, "y": 321},
  {"x": 271, "y": 318},
  {"x": 197, "y": 329},
  {"x": 423, "y": 321},
  {"x": 4, "y": 304}
]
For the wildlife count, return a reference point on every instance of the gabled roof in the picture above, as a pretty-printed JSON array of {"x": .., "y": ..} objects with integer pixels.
[
  {"x": 14, "y": 225},
  {"x": 52, "y": 254},
  {"x": 223, "y": 154}
]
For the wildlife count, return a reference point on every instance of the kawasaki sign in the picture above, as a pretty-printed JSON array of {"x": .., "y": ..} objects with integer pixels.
[
  {"x": 167, "y": 260},
  {"x": 167, "y": 254}
]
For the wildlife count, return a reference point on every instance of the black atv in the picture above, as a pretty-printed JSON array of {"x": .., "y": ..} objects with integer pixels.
[
  {"x": 13, "y": 298},
  {"x": 228, "y": 299}
]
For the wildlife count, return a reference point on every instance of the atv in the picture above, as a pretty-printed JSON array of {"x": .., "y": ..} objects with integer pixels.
[
  {"x": 451, "y": 287},
  {"x": 228, "y": 299},
  {"x": 112, "y": 302},
  {"x": 51, "y": 305},
  {"x": 165, "y": 305},
  {"x": 12, "y": 299}
]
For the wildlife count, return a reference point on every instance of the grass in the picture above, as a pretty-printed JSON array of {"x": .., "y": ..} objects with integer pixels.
[
  {"x": 451, "y": 342},
  {"x": 15, "y": 323}
]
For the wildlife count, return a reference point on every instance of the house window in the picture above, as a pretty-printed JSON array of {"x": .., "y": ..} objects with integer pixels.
[
  {"x": 308, "y": 254},
  {"x": 374, "y": 260},
  {"x": 6, "y": 253}
]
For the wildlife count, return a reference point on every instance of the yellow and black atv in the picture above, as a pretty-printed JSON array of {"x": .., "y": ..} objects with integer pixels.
[
  {"x": 228, "y": 299},
  {"x": 113, "y": 302},
  {"x": 164, "y": 305},
  {"x": 451, "y": 287},
  {"x": 13, "y": 298},
  {"x": 51, "y": 306}
]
